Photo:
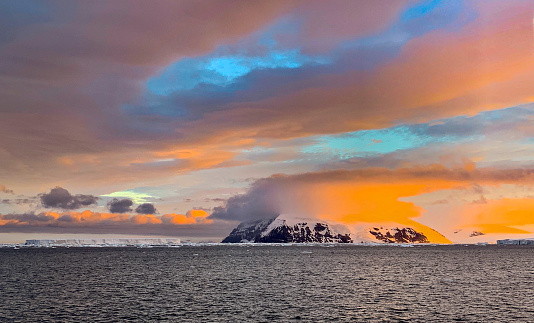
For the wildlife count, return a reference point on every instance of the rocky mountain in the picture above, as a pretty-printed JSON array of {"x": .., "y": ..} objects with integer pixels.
[
  {"x": 279, "y": 231},
  {"x": 398, "y": 235}
]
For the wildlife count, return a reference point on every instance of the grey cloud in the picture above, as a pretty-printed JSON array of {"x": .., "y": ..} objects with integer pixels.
[
  {"x": 146, "y": 208},
  {"x": 25, "y": 201},
  {"x": 217, "y": 199},
  {"x": 28, "y": 217},
  {"x": 255, "y": 204},
  {"x": 61, "y": 198},
  {"x": 120, "y": 206},
  {"x": 66, "y": 218},
  {"x": 19, "y": 201}
]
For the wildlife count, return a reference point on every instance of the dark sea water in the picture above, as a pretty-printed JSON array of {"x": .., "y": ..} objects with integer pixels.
[{"x": 268, "y": 283}]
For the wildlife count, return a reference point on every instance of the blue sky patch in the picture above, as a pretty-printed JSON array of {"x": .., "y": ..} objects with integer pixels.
[
  {"x": 223, "y": 70},
  {"x": 373, "y": 142}
]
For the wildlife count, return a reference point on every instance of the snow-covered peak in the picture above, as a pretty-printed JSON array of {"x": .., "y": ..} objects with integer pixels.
[
  {"x": 287, "y": 228},
  {"x": 281, "y": 230}
]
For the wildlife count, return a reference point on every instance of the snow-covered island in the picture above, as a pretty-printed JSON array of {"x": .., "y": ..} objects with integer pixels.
[
  {"x": 298, "y": 230},
  {"x": 103, "y": 242}
]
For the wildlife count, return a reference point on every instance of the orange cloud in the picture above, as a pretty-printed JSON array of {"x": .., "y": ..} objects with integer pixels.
[
  {"x": 191, "y": 217},
  {"x": 506, "y": 215},
  {"x": 89, "y": 218},
  {"x": 197, "y": 213},
  {"x": 478, "y": 70},
  {"x": 145, "y": 219},
  {"x": 373, "y": 195},
  {"x": 173, "y": 218},
  {"x": 369, "y": 202},
  {"x": 499, "y": 228}
]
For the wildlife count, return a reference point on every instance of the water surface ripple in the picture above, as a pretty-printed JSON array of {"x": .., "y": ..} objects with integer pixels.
[{"x": 268, "y": 283}]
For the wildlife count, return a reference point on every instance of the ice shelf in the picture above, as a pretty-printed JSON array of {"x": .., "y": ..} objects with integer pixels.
[
  {"x": 104, "y": 242},
  {"x": 516, "y": 241}
]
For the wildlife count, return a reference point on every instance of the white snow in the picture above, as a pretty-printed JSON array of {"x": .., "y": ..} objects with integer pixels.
[
  {"x": 104, "y": 242},
  {"x": 278, "y": 222}
]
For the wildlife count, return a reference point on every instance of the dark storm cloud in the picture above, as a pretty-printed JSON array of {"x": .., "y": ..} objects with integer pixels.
[
  {"x": 120, "y": 206},
  {"x": 62, "y": 199},
  {"x": 146, "y": 208}
]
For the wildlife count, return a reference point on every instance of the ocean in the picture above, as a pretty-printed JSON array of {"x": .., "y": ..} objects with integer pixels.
[{"x": 236, "y": 283}]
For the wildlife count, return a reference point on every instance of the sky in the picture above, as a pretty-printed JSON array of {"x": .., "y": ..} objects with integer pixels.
[{"x": 184, "y": 118}]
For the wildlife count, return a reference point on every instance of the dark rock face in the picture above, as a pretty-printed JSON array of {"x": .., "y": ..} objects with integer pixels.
[
  {"x": 259, "y": 231},
  {"x": 398, "y": 235}
]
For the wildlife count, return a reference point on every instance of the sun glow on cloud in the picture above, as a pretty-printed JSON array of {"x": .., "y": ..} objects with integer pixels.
[
  {"x": 87, "y": 218},
  {"x": 376, "y": 203},
  {"x": 131, "y": 194},
  {"x": 507, "y": 215}
]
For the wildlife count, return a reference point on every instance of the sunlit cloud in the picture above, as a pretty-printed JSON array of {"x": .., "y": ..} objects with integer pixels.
[
  {"x": 371, "y": 195},
  {"x": 132, "y": 195},
  {"x": 110, "y": 222}
]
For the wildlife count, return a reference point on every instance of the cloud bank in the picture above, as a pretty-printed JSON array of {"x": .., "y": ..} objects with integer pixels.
[
  {"x": 372, "y": 195},
  {"x": 88, "y": 221},
  {"x": 384, "y": 68}
]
